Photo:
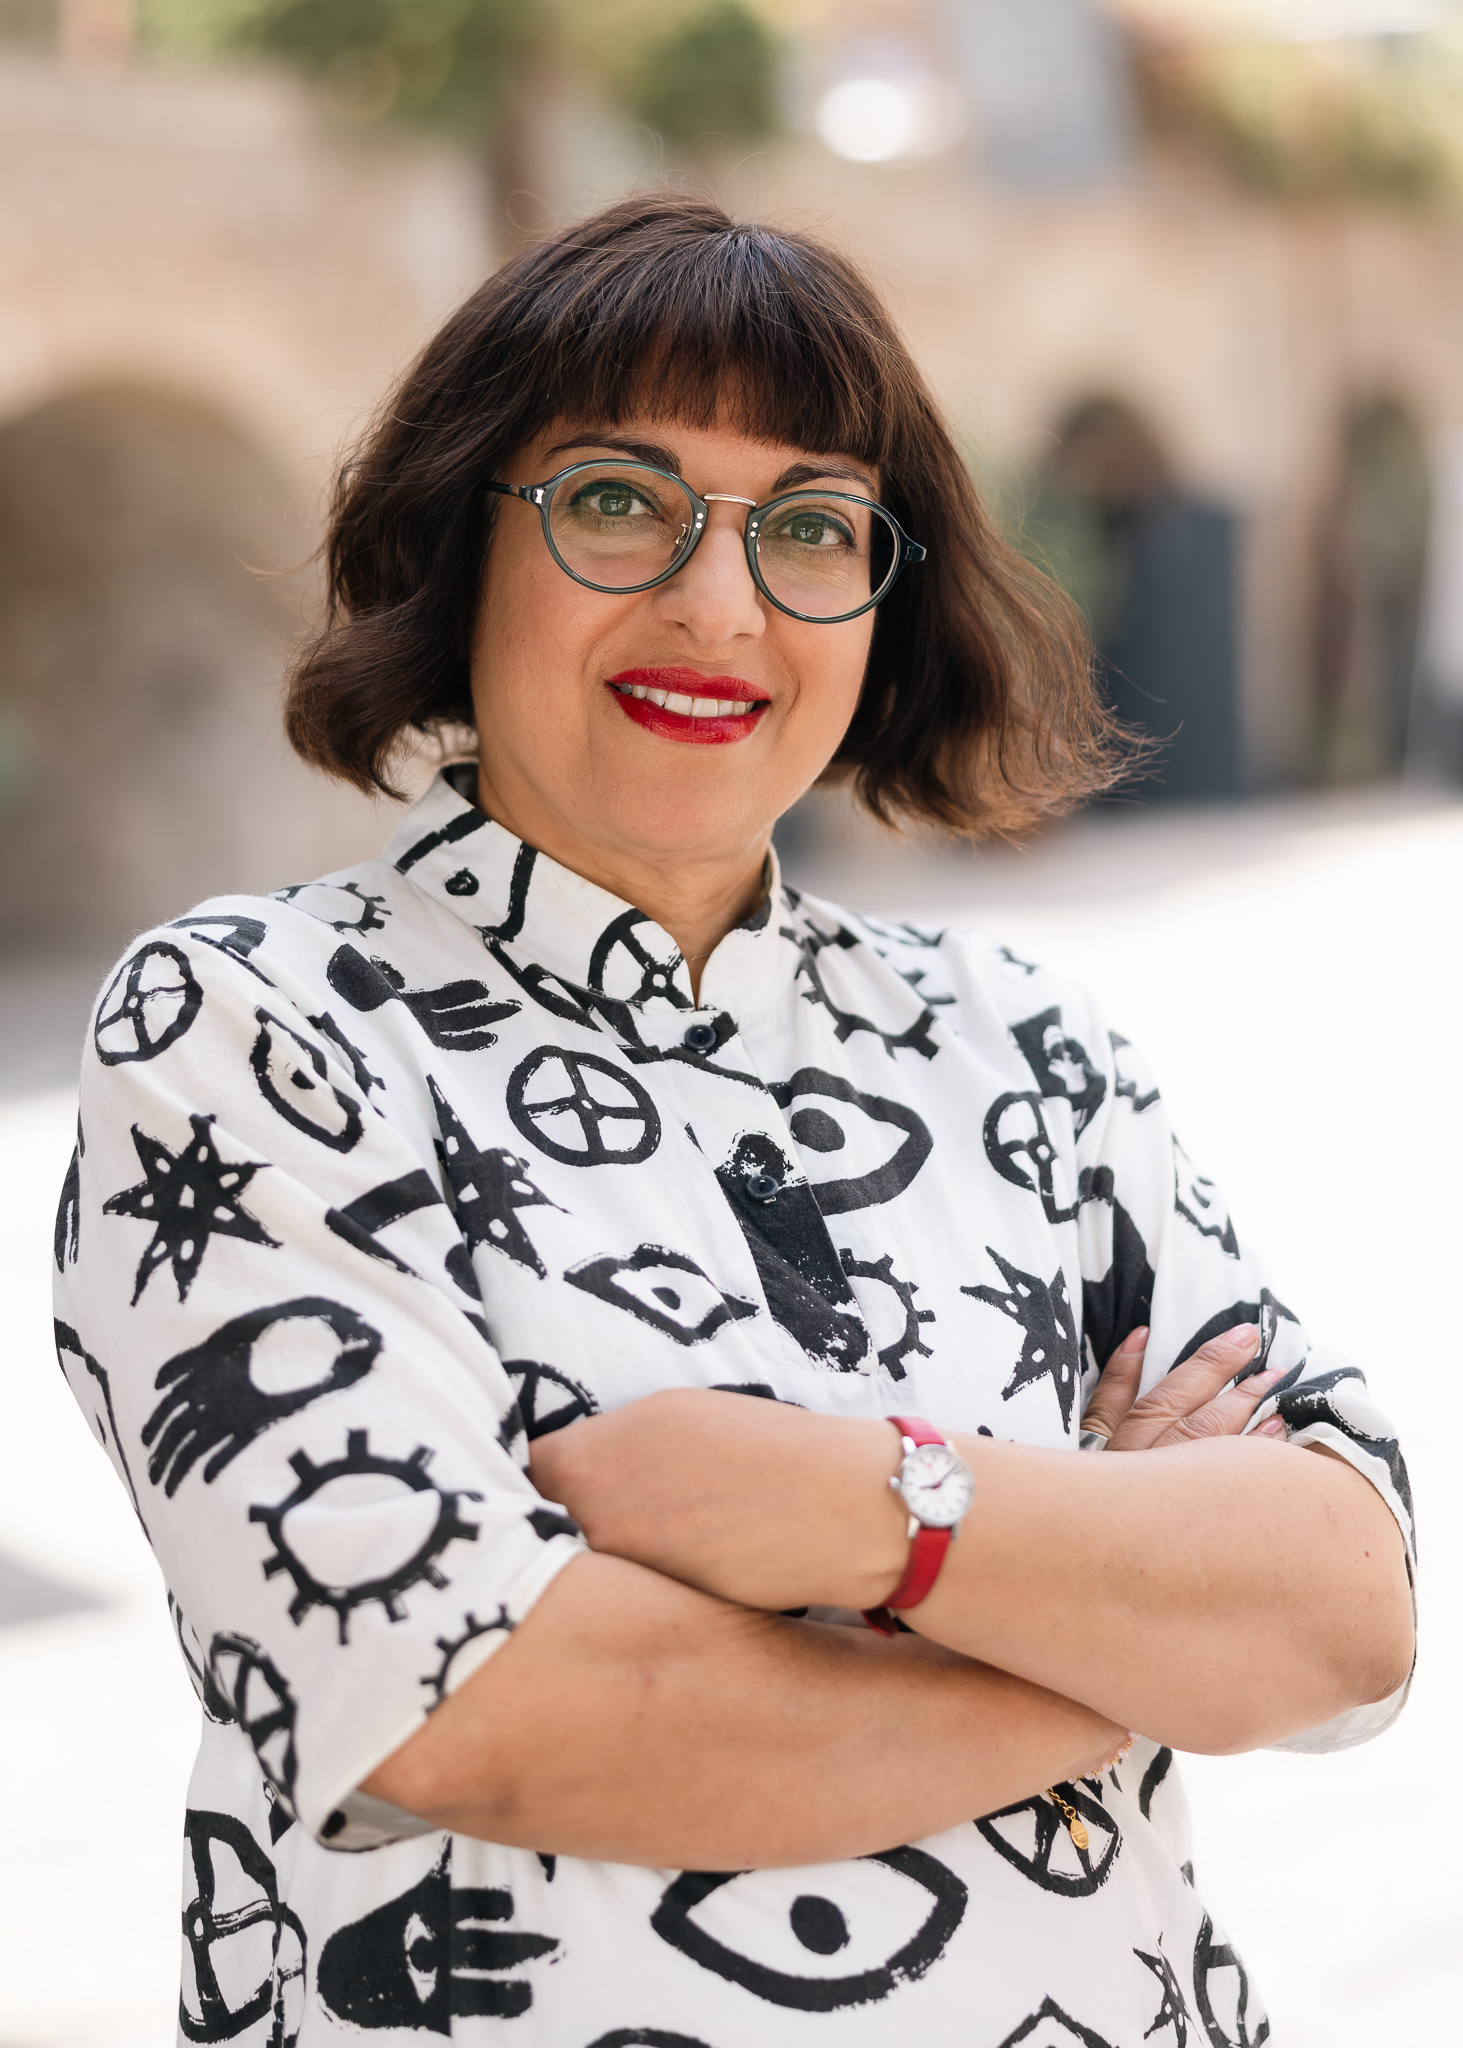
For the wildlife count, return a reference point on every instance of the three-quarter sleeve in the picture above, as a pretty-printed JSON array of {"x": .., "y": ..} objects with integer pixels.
[{"x": 266, "y": 1310}]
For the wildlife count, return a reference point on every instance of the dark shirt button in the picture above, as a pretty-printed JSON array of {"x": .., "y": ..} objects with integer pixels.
[
  {"x": 763, "y": 1186},
  {"x": 700, "y": 1037}
]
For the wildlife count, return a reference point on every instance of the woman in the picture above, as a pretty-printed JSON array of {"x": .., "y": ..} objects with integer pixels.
[{"x": 434, "y": 1223}]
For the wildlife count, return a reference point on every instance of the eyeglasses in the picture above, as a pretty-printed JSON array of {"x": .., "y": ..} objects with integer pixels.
[{"x": 822, "y": 556}]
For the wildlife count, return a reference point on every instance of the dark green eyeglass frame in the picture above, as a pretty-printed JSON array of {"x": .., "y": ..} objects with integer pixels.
[{"x": 906, "y": 551}]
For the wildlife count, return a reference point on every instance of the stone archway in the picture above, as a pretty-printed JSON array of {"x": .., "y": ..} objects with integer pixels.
[{"x": 141, "y": 762}]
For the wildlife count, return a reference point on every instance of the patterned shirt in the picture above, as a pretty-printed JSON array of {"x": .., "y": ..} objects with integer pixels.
[{"x": 384, "y": 1176}]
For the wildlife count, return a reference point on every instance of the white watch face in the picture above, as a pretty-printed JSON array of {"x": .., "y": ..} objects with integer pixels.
[{"x": 936, "y": 1484}]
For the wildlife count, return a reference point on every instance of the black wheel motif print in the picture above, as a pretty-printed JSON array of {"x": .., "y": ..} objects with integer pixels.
[
  {"x": 582, "y": 1110},
  {"x": 294, "y": 1079},
  {"x": 862, "y": 1123},
  {"x": 66, "y": 1242},
  {"x": 68, "y": 1343},
  {"x": 1049, "y": 1347},
  {"x": 806, "y": 1288},
  {"x": 488, "y": 1188},
  {"x": 914, "y": 1037},
  {"x": 1173, "y": 2008},
  {"x": 344, "y": 906},
  {"x": 1199, "y": 1202},
  {"x": 451, "y": 834},
  {"x": 244, "y": 1685},
  {"x": 1033, "y": 1838},
  {"x": 1061, "y": 1066},
  {"x": 662, "y": 1288},
  {"x": 1123, "y": 1298},
  {"x": 1222, "y": 1994},
  {"x": 232, "y": 934},
  {"x": 1050, "y": 2027},
  {"x": 907, "y": 1343},
  {"x": 252, "y": 1372},
  {"x": 620, "y": 956},
  {"x": 1127, "y": 1080},
  {"x": 818, "y": 1926},
  {"x": 1019, "y": 1147},
  {"x": 547, "y": 1400},
  {"x": 190, "y": 1197},
  {"x": 149, "y": 1003},
  {"x": 244, "y": 1960},
  {"x": 440, "y": 1681},
  {"x": 293, "y": 1548},
  {"x": 455, "y": 1017},
  {"x": 432, "y": 1955}
]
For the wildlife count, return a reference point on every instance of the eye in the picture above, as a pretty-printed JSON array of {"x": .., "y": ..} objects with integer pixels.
[
  {"x": 810, "y": 529},
  {"x": 611, "y": 498},
  {"x": 817, "y": 1940}
]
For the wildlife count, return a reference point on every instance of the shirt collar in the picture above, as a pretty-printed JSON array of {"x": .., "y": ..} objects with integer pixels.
[{"x": 537, "y": 914}]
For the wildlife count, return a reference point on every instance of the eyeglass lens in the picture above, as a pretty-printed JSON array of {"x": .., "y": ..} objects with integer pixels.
[{"x": 619, "y": 526}]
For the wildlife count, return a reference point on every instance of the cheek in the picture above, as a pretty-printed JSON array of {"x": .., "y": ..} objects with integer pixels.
[{"x": 829, "y": 663}]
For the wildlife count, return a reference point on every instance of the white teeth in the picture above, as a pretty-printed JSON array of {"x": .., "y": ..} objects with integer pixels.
[
  {"x": 691, "y": 707},
  {"x": 674, "y": 701}
]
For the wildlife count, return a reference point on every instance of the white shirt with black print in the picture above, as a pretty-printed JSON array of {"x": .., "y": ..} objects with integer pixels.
[{"x": 383, "y": 1176}]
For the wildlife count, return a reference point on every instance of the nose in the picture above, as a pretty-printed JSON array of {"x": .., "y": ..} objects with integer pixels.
[{"x": 713, "y": 598}]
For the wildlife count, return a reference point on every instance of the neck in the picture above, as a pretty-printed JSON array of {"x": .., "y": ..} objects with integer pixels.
[{"x": 696, "y": 896}]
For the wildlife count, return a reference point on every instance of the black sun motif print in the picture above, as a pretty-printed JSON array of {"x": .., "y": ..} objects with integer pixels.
[
  {"x": 1049, "y": 1331},
  {"x": 189, "y": 1197}
]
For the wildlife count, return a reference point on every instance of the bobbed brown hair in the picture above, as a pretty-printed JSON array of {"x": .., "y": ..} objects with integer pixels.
[{"x": 979, "y": 710}]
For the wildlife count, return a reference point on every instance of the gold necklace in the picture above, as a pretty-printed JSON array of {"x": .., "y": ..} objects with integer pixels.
[{"x": 1076, "y": 1826}]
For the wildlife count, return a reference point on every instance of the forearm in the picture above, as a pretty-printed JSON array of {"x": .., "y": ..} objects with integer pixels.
[{"x": 634, "y": 1719}]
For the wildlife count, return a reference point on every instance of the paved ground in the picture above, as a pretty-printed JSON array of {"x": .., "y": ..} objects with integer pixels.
[{"x": 1296, "y": 972}]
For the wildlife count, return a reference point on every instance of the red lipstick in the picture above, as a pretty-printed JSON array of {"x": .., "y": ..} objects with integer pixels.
[{"x": 640, "y": 694}]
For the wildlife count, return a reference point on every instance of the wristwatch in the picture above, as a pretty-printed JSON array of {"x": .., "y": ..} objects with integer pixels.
[{"x": 937, "y": 1487}]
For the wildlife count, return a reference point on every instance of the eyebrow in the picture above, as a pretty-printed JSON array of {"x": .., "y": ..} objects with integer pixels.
[{"x": 664, "y": 458}]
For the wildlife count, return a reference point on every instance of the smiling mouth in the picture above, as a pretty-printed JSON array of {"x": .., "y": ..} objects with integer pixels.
[
  {"x": 690, "y": 707},
  {"x": 691, "y": 714}
]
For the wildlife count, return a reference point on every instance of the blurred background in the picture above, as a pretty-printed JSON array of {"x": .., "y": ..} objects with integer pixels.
[{"x": 1187, "y": 276}]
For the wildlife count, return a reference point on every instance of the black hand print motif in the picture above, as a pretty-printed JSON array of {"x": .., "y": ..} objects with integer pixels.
[
  {"x": 455, "y": 1017},
  {"x": 190, "y": 1197}
]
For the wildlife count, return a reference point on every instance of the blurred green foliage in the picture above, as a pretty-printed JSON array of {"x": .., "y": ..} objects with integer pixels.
[{"x": 716, "y": 73}]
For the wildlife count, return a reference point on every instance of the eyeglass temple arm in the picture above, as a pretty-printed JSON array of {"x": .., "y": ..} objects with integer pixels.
[{"x": 533, "y": 494}]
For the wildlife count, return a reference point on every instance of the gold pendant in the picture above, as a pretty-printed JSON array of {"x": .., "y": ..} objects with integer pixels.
[{"x": 1076, "y": 1826}]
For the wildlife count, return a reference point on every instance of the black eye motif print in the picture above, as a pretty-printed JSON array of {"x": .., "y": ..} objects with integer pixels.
[
  {"x": 582, "y": 1110},
  {"x": 652, "y": 976},
  {"x": 236, "y": 936},
  {"x": 1033, "y": 1838},
  {"x": 488, "y": 1188},
  {"x": 1269, "y": 1311},
  {"x": 1199, "y": 1202},
  {"x": 451, "y": 834},
  {"x": 907, "y": 1342},
  {"x": 1123, "y": 1298},
  {"x": 820, "y": 1927},
  {"x": 439, "y": 1681},
  {"x": 1173, "y": 2007},
  {"x": 69, "y": 1344},
  {"x": 1049, "y": 1331},
  {"x": 1061, "y": 1065},
  {"x": 190, "y": 1197},
  {"x": 1050, "y": 2027},
  {"x": 227, "y": 1390},
  {"x": 294, "y": 1079},
  {"x": 423, "y": 1538},
  {"x": 662, "y": 1288},
  {"x": 1153, "y": 1777},
  {"x": 914, "y": 1037},
  {"x": 806, "y": 1289},
  {"x": 1019, "y": 1147},
  {"x": 1127, "y": 1081},
  {"x": 245, "y": 1686},
  {"x": 547, "y": 1400},
  {"x": 149, "y": 1003},
  {"x": 1222, "y": 1994},
  {"x": 822, "y": 1131},
  {"x": 237, "y": 1978},
  {"x": 344, "y": 906},
  {"x": 455, "y": 1017},
  {"x": 432, "y": 1955},
  {"x": 66, "y": 1242}
]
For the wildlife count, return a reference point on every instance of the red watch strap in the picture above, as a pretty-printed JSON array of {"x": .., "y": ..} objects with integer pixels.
[{"x": 926, "y": 1551}]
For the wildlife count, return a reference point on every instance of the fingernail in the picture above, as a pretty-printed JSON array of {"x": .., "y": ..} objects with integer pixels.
[
  {"x": 1268, "y": 1379},
  {"x": 1244, "y": 1337},
  {"x": 1136, "y": 1340},
  {"x": 1274, "y": 1427}
]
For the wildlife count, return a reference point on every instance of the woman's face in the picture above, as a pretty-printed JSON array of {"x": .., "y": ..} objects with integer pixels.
[{"x": 610, "y": 782}]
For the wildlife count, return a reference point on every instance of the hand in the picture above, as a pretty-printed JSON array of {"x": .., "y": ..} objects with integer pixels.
[{"x": 1197, "y": 1399}]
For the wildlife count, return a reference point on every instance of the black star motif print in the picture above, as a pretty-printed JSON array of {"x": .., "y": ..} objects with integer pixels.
[
  {"x": 189, "y": 1197},
  {"x": 821, "y": 1927},
  {"x": 455, "y": 1017},
  {"x": 233, "y": 1888},
  {"x": 1033, "y": 1838},
  {"x": 488, "y": 1189},
  {"x": 1173, "y": 2008},
  {"x": 1048, "y": 1331},
  {"x": 1050, "y": 2027},
  {"x": 148, "y": 1004},
  {"x": 293, "y": 1548},
  {"x": 430, "y": 1954},
  {"x": 212, "y": 1398}
]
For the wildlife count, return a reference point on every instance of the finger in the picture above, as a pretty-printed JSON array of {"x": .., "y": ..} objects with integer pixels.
[
  {"x": 1226, "y": 1415},
  {"x": 1187, "y": 1388},
  {"x": 1117, "y": 1385}
]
